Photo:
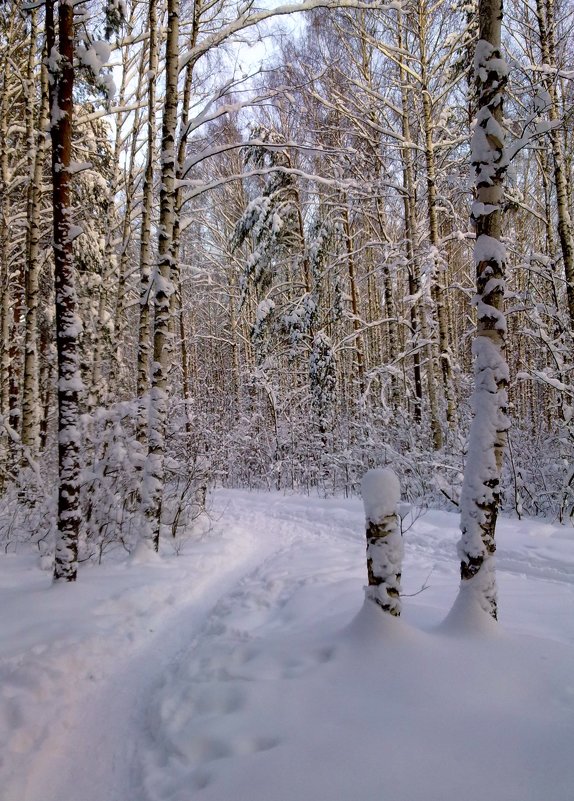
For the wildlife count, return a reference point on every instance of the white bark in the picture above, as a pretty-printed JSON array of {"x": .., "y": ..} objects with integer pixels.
[
  {"x": 381, "y": 494},
  {"x": 163, "y": 286},
  {"x": 480, "y": 496},
  {"x": 61, "y": 74}
]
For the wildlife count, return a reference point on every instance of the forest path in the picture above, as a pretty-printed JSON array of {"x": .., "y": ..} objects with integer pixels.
[{"x": 98, "y": 730}]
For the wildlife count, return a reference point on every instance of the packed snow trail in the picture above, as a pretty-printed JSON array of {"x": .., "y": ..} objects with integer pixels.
[
  {"x": 74, "y": 711},
  {"x": 89, "y": 737},
  {"x": 244, "y": 670}
]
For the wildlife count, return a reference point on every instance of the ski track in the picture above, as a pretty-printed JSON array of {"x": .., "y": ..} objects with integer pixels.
[
  {"x": 116, "y": 699},
  {"x": 87, "y": 741}
]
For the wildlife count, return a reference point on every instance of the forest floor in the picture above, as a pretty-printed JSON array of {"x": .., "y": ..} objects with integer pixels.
[{"x": 246, "y": 668}]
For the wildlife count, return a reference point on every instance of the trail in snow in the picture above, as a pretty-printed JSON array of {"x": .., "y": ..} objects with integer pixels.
[
  {"x": 91, "y": 736},
  {"x": 230, "y": 673}
]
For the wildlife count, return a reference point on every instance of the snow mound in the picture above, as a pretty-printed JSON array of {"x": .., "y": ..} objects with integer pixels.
[{"x": 381, "y": 493}]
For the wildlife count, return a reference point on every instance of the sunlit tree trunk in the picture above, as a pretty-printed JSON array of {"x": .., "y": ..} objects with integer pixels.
[
  {"x": 381, "y": 494},
  {"x": 480, "y": 496},
  {"x": 418, "y": 318},
  {"x": 31, "y": 399},
  {"x": 163, "y": 286},
  {"x": 5, "y": 312},
  {"x": 145, "y": 256}
]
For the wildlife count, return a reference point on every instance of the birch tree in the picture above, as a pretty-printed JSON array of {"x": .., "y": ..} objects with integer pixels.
[
  {"x": 38, "y": 147},
  {"x": 162, "y": 283},
  {"x": 60, "y": 55},
  {"x": 480, "y": 497},
  {"x": 145, "y": 254},
  {"x": 381, "y": 492}
]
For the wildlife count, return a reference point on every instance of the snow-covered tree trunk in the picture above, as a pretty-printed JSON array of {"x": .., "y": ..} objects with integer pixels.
[
  {"x": 13, "y": 264},
  {"x": 144, "y": 333},
  {"x": 6, "y": 312},
  {"x": 163, "y": 286},
  {"x": 408, "y": 200},
  {"x": 131, "y": 182},
  {"x": 480, "y": 496},
  {"x": 357, "y": 328},
  {"x": 381, "y": 494},
  {"x": 61, "y": 78},
  {"x": 176, "y": 305},
  {"x": 31, "y": 399}
]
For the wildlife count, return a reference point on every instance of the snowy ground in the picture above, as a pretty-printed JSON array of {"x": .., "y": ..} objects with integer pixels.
[{"x": 247, "y": 669}]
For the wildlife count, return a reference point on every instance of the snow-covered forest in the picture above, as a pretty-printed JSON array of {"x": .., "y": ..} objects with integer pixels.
[
  {"x": 267, "y": 275},
  {"x": 251, "y": 251}
]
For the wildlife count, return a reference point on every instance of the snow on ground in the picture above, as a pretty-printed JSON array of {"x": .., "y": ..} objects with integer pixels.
[{"x": 248, "y": 669}]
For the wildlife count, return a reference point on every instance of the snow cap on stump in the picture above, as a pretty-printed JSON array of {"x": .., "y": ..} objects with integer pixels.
[{"x": 381, "y": 494}]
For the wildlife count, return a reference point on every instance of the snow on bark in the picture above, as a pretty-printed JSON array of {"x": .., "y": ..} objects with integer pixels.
[
  {"x": 381, "y": 494},
  {"x": 163, "y": 286},
  {"x": 38, "y": 144},
  {"x": 61, "y": 75},
  {"x": 480, "y": 496},
  {"x": 144, "y": 349},
  {"x": 549, "y": 99}
]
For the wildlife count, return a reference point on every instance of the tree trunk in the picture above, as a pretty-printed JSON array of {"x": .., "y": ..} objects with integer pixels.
[
  {"x": 30, "y": 399},
  {"x": 480, "y": 495},
  {"x": 381, "y": 494},
  {"x": 357, "y": 327},
  {"x": 144, "y": 333},
  {"x": 69, "y": 383},
  {"x": 546, "y": 25},
  {"x": 163, "y": 286}
]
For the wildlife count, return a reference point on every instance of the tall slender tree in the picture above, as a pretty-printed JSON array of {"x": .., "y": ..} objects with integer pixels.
[
  {"x": 60, "y": 60},
  {"x": 163, "y": 285},
  {"x": 480, "y": 497}
]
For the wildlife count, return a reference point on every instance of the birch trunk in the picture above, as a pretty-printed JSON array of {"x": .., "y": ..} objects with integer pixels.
[
  {"x": 381, "y": 494},
  {"x": 359, "y": 341},
  {"x": 30, "y": 398},
  {"x": 144, "y": 349},
  {"x": 61, "y": 77},
  {"x": 480, "y": 497},
  {"x": 163, "y": 286},
  {"x": 418, "y": 318},
  {"x": 4, "y": 249},
  {"x": 125, "y": 265}
]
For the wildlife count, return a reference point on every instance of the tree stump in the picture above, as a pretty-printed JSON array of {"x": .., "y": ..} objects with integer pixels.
[{"x": 381, "y": 491}]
